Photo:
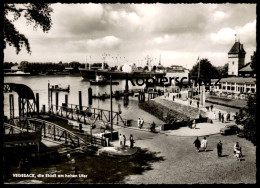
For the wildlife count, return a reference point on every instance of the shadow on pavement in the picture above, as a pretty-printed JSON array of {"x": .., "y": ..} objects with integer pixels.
[{"x": 224, "y": 155}]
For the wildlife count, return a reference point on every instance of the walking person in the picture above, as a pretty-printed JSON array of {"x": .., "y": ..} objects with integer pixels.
[
  {"x": 219, "y": 148},
  {"x": 120, "y": 140},
  {"x": 236, "y": 146},
  {"x": 194, "y": 123},
  {"x": 124, "y": 140},
  {"x": 138, "y": 122},
  {"x": 197, "y": 144},
  {"x": 152, "y": 128},
  {"x": 211, "y": 107},
  {"x": 204, "y": 144},
  {"x": 131, "y": 139},
  {"x": 198, "y": 104},
  {"x": 190, "y": 101},
  {"x": 228, "y": 116},
  {"x": 21, "y": 166},
  {"x": 222, "y": 118},
  {"x": 141, "y": 123},
  {"x": 26, "y": 166},
  {"x": 219, "y": 116}
]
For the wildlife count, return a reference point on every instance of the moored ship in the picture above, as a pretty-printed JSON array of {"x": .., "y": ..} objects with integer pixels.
[{"x": 120, "y": 73}]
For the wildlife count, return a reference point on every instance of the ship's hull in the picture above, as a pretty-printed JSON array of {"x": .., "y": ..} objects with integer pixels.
[{"x": 91, "y": 74}]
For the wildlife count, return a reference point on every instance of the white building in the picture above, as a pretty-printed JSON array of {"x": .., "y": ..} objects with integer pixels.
[{"x": 234, "y": 85}]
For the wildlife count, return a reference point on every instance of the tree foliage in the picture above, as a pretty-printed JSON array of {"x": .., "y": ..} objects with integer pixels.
[
  {"x": 223, "y": 71},
  {"x": 247, "y": 118},
  {"x": 204, "y": 71},
  {"x": 253, "y": 62},
  {"x": 38, "y": 14}
]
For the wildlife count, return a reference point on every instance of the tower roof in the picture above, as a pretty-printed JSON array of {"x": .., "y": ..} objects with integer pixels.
[{"x": 237, "y": 48}]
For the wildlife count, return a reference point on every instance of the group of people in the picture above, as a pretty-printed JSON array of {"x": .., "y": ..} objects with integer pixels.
[
  {"x": 122, "y": 141},
  {"x": 140, "y": 123},
  {"x": 192, "y": 124},
  {"x": 24, "y": 166},
  {"x": 237, "y": 151},
  {"x": 203, "y": 144},
  {"x": 211, "y": 107},
  {"x": 221, "y": 117}
]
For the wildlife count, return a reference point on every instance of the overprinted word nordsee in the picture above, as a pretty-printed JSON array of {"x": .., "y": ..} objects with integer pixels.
[{"x": 164, "y": 81}]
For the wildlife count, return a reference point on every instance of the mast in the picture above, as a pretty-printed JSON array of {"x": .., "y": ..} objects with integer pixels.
[
  {"x": 199, "y": 68},
  {"x": 89, "y": 62}
]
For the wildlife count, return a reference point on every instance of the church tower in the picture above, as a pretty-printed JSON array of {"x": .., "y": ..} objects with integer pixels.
[{"x": 236, "y": 58}]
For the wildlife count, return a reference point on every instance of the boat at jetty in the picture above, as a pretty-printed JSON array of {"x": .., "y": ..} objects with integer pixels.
[
  {"x": 120, "y": 72},
  {"x": 101, "y": 80},
  {"x": 59, "y": 88},
  {"x": 90, "y": 74}
]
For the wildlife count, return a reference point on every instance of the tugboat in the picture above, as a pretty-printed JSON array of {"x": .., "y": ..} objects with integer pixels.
[{"x": 101, "y": 80}]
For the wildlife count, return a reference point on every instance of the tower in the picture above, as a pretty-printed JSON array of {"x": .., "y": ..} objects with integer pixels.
[{"x": 236, "y": 58}]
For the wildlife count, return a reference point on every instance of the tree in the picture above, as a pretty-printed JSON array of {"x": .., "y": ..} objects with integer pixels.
[
  {"x": 247, "y": 118},
  {"x": 34, "y": 13},
  {"x": 204, "y": 71},
  {"x": 253, "y": 62},
  {"x": 223, "y": 71}
]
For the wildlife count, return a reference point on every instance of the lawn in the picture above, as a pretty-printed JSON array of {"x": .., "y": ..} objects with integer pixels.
[{"x": 235, "y": 103}]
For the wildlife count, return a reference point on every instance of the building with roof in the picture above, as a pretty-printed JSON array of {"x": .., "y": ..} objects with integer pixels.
[
  {"x": 234, "y": 85},
  {"x": 246, "y": 71},
  {"x": 236, "y": 58}
]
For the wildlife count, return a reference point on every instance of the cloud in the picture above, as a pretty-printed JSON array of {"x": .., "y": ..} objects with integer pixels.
[
  {"x": 219, "y": 16},
  {"x": 107, "y": 42},
  {"x": 179, "y": 32},
  {"x": 223, "y": 36}
]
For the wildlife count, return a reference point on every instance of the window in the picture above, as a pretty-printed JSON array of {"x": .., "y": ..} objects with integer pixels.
[
  {"x": 232, "y": 88},
  {"x": 252, "y": 90},
  {"x": 224, "y": 87},
  {"x": 228, "y": 87}
]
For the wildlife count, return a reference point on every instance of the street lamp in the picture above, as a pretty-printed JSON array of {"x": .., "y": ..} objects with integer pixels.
[{"x": 111, "y": 108}]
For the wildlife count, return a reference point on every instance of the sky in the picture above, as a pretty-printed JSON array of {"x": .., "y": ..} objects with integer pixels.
[{"x": 129, "y": 33}]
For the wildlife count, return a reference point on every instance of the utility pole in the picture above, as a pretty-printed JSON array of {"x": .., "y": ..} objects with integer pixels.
[{"x": 111, "y": 108}]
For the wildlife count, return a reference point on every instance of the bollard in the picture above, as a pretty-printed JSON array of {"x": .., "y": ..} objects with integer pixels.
[
  {"x": 57, "y": 101},
  {"x": 80, "y": 101},
  {"x": 37, "y": 103},
  {"x": 66, "y": 100}
]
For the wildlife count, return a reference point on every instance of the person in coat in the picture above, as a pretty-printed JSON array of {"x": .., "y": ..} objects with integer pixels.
[
  {"x": 120, "y": 140},
  {"x": 141, "y": 123},
  {"x": 204, "y": 144},
  {"x": 197, "y": 144},
  {"x": 131, "y": 139},
  {"x": 124, "y": 140},
  {"x": 219, "y": 149}
]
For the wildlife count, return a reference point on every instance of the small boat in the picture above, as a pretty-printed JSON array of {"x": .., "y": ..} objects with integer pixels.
[
  {"x": 59, "y": 88},
  {"x": 101, "y": 80}
]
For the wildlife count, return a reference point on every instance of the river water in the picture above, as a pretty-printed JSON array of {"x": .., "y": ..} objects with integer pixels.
[{"x": 39, "y": 84}]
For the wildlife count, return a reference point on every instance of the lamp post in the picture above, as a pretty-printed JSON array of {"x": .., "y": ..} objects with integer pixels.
[{"x": 111, "y": 108}]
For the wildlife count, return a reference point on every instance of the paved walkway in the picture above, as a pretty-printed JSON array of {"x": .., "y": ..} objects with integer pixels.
[{"x": 210, "y": 114}]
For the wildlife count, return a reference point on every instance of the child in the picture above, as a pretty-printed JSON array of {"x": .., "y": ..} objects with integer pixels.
[{"x": 238, "y": 154}]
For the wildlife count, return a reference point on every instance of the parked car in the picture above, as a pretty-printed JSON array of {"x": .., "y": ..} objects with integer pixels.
[{"x": 230, "y": 129}]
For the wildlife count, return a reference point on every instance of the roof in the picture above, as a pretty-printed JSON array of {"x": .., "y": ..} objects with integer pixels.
[
  {"x": 246, "y": 68},
  {"x": 238, "y": 80},
  {"x": 237, "y": 48}
]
